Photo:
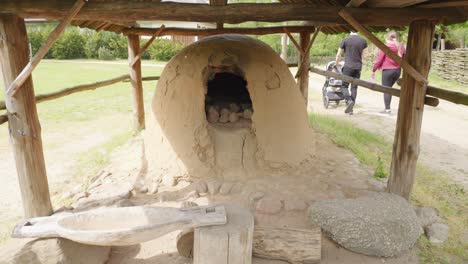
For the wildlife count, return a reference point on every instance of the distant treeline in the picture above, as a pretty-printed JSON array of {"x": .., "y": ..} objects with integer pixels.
[{"x": 77, "y": 43}]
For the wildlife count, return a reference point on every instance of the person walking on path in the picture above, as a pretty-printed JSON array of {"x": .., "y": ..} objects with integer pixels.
[
  {"x": 353, "y": 47},
  {"x": 391, "y": 70}
]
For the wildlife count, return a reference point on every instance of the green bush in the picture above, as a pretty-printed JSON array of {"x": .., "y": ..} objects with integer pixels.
[
  {"x": 70, "y": 45},
  {"x": 37, "y": 35},
  {"x": 105, "y": 54},
  {"x": 164, "y": 50},
  {"x": 117, "y": 44}
]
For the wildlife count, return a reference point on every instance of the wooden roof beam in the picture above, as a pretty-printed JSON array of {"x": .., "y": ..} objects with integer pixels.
[
  {"x": 232, "y": 13},
  {"x": 171, "y": 31}
]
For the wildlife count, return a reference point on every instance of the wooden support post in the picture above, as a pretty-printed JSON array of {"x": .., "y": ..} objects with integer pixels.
[
  {"x": 307, "y": 49},
  {"x": 303, "y": 75},
  {"x": 54, "y": 35},
  {"x": 24, "y": 127},
  {"x": 135, "y": 79},
  {"x": 410, "y": 111}
]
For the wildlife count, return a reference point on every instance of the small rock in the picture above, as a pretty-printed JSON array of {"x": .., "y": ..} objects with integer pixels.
[
  {"x": 233, "y": 117},
  {"x": 237, "y": 188},
  {"x": 234, "y": 107},
  {"x": 168, "y": 180},
  {"x": 154, "y": 188},
  {"x": 213, "y": 187},
  {"x": 269, "y": 206},
  {"x": 226, "y": 188},
  {"x": 201, "y": 187},
  {"x": 124, "y": 203},
  {"x": 376, "y": 183},
  {"x": 295, "y": 205},
  {"x": 192, "y": 194},
  {"x": 143, "y": 189},
  {"x": 224, "y": 115},
  {"x": 247, "y": 114},
  {"x": 437, "y": 233},
  {"x": 81, "y": 195},
  {"x": 256, "y": 196},
  {"x": 64, "y": 208},
  {"x": 427, "y": 215},
  {"x": 213, "y": 115},
  {"x": 188, "y": 204}
]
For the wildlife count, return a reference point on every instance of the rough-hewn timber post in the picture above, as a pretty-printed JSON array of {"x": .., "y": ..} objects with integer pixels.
[
  {"x": 303, "y": 79},
  {"x": 25, "y": 130},
  {"x": 410, "y": 111},
  {"x": 135, "y": 79}
]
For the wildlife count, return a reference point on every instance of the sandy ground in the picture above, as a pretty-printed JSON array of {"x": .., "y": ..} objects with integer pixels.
[
  {"x": 443, "y": 147},
  {"x": 444, "y": 142},
  {"x": 60, "y": 156}
]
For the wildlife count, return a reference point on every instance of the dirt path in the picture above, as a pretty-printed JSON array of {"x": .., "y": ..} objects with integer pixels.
[{"x": 444, "y": 145}]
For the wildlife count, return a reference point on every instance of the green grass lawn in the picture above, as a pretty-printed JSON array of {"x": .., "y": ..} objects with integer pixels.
[{"x": 432, "y": 188}]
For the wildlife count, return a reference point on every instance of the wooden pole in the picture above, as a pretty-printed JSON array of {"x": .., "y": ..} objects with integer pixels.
[
  {"x": 135, "y": 79},
  {"x": 307, "y": 49},
  {"x": 298, "y": 47},
  {"x": 147, "y": 45},
  {"x": 303, "y": 79},
  {"x": 451, "y": 96},
  {"x": 174, "y": 31},
  {"x": 410, "y": 111},
  {"x": 431, "y": 101},
  {"x": 231, "y": 13},
  {"x": 75, "y": 89},
  {"x": 26, "y": 72},
  {"x": 404, "y": 64},
  {"x": 24, "y": 127}
]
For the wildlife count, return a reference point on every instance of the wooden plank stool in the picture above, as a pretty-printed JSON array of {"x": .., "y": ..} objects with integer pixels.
[{"x": 226, "y": 244}]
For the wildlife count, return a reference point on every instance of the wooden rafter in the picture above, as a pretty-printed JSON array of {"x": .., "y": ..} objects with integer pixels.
[
  {"x": 355, "y": 3},
  {"x": 232, "y": 13},
  {"x": 444, "y": 4},
  {"x": 218, "y": 3},
  {"x": 404, "y": 64},
  {"x": 393, "y": 3},
  {"x": 26, "y": 72},
  {"x": 298, "y": 47},
  {"x": 147, "y": 45},
  {"x": 171, "y": 31}
]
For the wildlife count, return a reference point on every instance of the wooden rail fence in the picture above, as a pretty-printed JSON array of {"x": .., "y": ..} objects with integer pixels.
[
  {"x": 451, "y": 65},
  {"x": 75, "y": 89}
]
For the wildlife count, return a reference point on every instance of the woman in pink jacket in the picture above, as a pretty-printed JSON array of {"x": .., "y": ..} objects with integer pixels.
[{"x": 391, "y": 70}]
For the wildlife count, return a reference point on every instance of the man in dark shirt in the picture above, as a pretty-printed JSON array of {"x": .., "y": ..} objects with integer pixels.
[{"x": 353, "y": 47}]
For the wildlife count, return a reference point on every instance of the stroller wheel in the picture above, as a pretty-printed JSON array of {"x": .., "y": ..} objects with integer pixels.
[{"x": 326, "y": 101}]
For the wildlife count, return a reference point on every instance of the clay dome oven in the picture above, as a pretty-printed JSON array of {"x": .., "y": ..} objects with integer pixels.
[{"x": 227, "y": 106}]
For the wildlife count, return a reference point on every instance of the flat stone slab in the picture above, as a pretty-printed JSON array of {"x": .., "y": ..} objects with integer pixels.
[{"x": 380, "y": 224}]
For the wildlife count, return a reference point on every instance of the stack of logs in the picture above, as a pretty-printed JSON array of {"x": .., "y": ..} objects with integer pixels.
[
  {"x": 452, "y": 65},
  {"x": 230, "y": 113}
]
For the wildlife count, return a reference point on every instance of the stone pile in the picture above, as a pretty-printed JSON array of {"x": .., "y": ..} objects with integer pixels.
[{"x": 230, "y": 113}]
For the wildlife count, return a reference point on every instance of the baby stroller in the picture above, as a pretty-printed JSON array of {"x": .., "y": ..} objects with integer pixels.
[{"x": 331, "y": 90}]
